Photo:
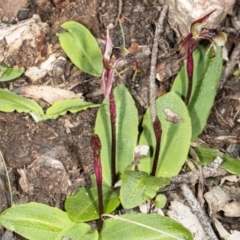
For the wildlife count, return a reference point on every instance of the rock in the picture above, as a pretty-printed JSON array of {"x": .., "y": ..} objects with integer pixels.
[{"x": 182, "y": 13}]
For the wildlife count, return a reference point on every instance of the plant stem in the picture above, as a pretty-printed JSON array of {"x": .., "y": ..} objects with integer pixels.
[
  {"x": 158, "y": 135},
  {"x": 100, "y": 207},
  {"x": 96, "y": 147},
  {"x": 123, "y": 36},
  {"x": 190, "y": 66},
  {"x": 112, "y": 110}
]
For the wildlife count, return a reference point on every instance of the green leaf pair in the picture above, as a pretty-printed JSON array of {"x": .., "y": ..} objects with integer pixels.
[
  {"x": 10, "y": 102},
  {"x": 83, "y": 206},
  {"x": 36, "y": 221}
]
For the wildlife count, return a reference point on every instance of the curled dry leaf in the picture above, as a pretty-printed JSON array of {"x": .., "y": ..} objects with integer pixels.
[
  {"x": 234, "y": 235},
  {"x": 232, "y": 209},
  {"x": 47, "y": 93},
  {"x": 183, "y": 214},
  {"x": 216, "y": 199}
]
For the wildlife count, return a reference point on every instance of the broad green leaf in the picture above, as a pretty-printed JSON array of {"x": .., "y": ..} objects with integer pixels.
[
  {"x": 142, "y": 227},
  {"x": 78, "y": 231},
  {"x": 138, "y": 187},
  {"x": 83, "y": 206},
  {"x": 35, "y": 220},
  {"x": 10, "y": 102},
  {"x": 71, "y": 105},
  {"x": 126, "y": 132},
  {"x": 176, "y": 135},
  {"x": 81, "y": 47},
  {"x": 206, "y": 75},
  {"x": 207, "y": 155},
  {"x": 8, "y": 74}
]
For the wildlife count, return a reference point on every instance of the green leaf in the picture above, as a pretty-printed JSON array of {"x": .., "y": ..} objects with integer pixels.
[
  {"x": 35, "y": 220},
  {"x": 232, "y": 165},
  {"x": 71, "y": 105},
  {"x": 206, "y": 75},
  {"x": 176, "y": 135},
  {"x": 126, "y": 132},
  {"x": 142, "y": 227},
  {"x": 138, "y": 187},
  {"x": 83, "y": 206},
  {"x": 160, "y": 201},
  {"x": 10, "y": 102},
  {"x": 207, "y": 155},
  {"x": 147, "y": 138},
  {"x": 78, "y": 231},
  {"x": 8, "y": 74},
  {"x": 81, "y": 47}
]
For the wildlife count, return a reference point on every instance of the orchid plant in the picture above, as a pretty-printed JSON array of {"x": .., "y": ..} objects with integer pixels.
[
  {"x": 198, "y": 32},
  {"x": 116, "y": 136}
]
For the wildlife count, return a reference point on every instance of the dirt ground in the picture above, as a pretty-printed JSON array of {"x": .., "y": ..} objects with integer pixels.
[{"x": 30, "y": 148}]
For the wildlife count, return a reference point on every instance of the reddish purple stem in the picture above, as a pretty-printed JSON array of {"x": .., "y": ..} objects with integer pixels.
[
  {"x": 96, "y": 147},
  {"x": 190, "y": 67},
  {"x": 112, "y": 110},
  {"x": 158, "y": 135}
]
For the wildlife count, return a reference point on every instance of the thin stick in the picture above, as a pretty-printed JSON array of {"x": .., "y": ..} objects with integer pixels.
[
  {"x": 119, "y": 12},
  {"x": 196, "y": 208},
  {"x": 8, "y": 178},
  {"x": 200, "y": 180},
  {"x": 211, "y": 170},
  {"x": 159, "y": 26}
]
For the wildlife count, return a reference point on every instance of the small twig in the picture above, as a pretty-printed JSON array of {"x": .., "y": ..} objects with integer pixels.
[
  {"x": 211, "y": 170},
  {"x": 235, "y": 56},
  {"x": 119, "y": 12},
  {"x": 200, "y": 180},
  {"x": 8, "y": 178},
  {"x": 196, "y": 208},
  {"x": 159, "y": 26}
]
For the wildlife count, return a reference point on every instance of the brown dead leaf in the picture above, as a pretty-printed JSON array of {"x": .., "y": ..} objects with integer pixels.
[
  {"x": 47, "y": 93},
  {"x": 134, "y": 48}
]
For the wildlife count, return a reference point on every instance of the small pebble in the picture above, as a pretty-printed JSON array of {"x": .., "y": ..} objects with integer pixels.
[{"x": 23, "y": 14}]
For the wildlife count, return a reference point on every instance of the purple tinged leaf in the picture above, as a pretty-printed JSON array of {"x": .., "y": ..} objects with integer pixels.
[
  {"x": 108, "y": 52},
  {"x": 190, "y": 64},
  {"x": 110, "y": 62},
  {"x": 184, "y": 45},
  {"x": 197, "y": 25}
]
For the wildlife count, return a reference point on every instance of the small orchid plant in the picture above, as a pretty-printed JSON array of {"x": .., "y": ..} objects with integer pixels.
[
  {"x": 116, "y": 135},
  {"x": 110, "y": 63},
  {"x": 198, "y": 32}
]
